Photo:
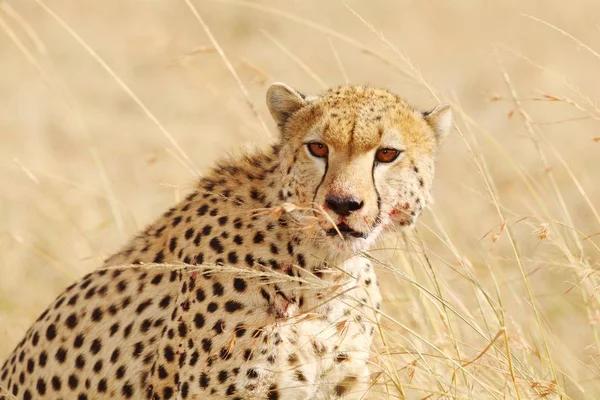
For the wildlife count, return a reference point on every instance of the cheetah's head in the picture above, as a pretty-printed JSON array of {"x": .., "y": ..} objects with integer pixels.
[{"x": 363, "y": 154}]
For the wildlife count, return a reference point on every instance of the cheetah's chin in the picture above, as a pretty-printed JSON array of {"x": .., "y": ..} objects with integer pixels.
[
  {"x": 345, "y": 231},
  {"x": 352, "y": 244}
]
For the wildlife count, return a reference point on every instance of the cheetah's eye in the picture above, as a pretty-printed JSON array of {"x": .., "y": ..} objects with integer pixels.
[
  {"x": 318, "y": 150},
  {"x": 387, "y": 155}
]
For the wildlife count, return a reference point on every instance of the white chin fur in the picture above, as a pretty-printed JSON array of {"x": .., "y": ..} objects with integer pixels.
[
  {"x": 352, "y": 246},
  {"x": 337, "y": 251}
]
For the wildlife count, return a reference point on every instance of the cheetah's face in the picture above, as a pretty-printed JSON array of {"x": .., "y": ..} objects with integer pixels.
[{"x": 362, "y": 155}]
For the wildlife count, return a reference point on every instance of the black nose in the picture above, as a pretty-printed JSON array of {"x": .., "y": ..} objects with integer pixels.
[{"x": 343, "y": 206}]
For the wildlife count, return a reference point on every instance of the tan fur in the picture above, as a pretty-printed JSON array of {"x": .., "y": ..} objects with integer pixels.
[{"x": 263, "y": 303}]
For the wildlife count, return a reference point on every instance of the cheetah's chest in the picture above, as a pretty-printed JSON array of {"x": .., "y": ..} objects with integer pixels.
[{"x": 329, "y": 350}]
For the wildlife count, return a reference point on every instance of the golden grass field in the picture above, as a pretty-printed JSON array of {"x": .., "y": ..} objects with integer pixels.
[{"x": 105, "y": 105}]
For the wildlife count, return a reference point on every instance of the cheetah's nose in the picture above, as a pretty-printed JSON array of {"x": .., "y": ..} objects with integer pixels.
[{"x": 343, "y": 205}]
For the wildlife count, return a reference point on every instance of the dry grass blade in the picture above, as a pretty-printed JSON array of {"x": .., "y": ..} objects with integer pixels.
[
  {"x": 565, "y": 33},
  {"x": 338, "y": 61},
  {"x": 315, "y": 26},
  {"x": 298, "y": 61},
  {"x": 120, "y": 82},
  {"x": 412, "y": 70},
  {"x": 227, "y": 64},
  {"x": 485, "y": 350}
]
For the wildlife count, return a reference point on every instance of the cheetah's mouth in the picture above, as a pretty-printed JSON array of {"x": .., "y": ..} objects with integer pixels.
[{"x": 346, "y": 231}]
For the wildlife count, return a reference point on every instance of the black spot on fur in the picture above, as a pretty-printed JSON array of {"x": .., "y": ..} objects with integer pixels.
[
  {"x": 232, "y": 257},
  {"x": 239, "y": 285},
  {"x": 259, "y": 237},
  {"x": 199, "y": 320},
  {"x": 218, "y": 289},
  {"x": 202, "y": 210},
  {"x": 204, "y": 380},
  {"x": 206, "y": 345},
  {"x": 51, "y": 332},
  {"x": 159, "y": 258},
  {"x": 216, "y": 245},
  {"x": 233, "y": 306},
  {"x": 212, "y": 307}
]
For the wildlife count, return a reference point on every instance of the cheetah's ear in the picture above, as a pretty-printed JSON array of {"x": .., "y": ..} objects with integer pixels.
[
  {"x": 440, "y": 119},
  {"x": 283, "y": 101}
]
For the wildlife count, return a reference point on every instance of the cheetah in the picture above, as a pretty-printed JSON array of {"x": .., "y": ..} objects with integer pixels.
[{"x": 257, "y": 285}]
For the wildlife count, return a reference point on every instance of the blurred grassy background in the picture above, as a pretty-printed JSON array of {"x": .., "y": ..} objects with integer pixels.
[{"x": 495, "y": 296}]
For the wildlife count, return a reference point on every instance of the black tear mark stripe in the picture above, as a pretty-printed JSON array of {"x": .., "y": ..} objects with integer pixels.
[
  {"x": 376, "y": 192},
  {"x": 322, "y": 179}
]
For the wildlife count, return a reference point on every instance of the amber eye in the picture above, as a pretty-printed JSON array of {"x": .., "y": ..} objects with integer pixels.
[
  {"x": 387, "y": 155},
  {"x": 319, "y": 150}
]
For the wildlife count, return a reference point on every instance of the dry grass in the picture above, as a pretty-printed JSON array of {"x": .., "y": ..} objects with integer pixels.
[{"x": 109, "y": 109}]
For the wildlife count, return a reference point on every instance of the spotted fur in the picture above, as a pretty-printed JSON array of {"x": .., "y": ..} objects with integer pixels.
[{"x": 241, "y": 291}]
